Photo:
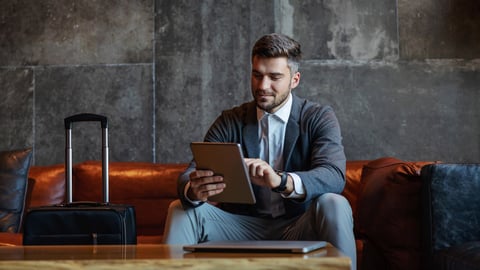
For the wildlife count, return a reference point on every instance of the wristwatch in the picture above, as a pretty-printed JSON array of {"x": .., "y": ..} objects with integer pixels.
[{"x": 283, "y": 183}]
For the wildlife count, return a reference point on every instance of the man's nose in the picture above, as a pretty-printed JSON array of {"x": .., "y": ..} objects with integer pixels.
[{"x": 265, "y": 83}]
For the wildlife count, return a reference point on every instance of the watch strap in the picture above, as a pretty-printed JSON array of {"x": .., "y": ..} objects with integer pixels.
[{"x": 283, "y": 183}]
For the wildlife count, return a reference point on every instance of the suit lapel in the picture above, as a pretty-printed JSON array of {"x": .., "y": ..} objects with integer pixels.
[
  {"x": 293, "y": 131},
  {"x": 250, "y": 132}
]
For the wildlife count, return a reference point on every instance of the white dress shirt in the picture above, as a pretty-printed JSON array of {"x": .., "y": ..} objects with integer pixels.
[{"x": 271, "y": 130}]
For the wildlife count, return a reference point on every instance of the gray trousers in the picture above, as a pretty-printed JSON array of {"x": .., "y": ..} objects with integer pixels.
[{"x": 329, "y": 218}]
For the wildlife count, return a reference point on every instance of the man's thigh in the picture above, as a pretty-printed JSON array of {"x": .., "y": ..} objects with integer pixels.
[
  {"x": 320, "y": 219},
  {"x": 217, "y": 224}
]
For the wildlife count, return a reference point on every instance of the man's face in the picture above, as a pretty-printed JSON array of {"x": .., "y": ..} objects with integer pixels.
[{"x": 272, "y": 82}]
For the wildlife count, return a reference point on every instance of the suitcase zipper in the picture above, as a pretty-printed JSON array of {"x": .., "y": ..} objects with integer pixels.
[{"x": 94, "y": 238}]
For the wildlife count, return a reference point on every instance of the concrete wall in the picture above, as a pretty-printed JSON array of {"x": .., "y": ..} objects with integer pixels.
[{"x": 402, "y": 76}]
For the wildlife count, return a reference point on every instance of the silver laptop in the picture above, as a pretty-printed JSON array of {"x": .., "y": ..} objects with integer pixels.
[{"x": 257, "y": 246}]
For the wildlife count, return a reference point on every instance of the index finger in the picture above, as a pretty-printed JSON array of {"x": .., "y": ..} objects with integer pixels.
[
  {"x": 201, "y": 173},
  {"x": 249, "y": 161}
]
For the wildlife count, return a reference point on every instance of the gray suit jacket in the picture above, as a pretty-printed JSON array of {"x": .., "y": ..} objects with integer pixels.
[{"x": 312, "y": 149}]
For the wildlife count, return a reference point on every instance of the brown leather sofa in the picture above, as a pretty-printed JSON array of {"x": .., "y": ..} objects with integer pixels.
[{"x": 384, "y": 195}]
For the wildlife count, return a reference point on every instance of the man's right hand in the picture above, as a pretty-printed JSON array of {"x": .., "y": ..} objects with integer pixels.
[{"x": 203, "y": 184}]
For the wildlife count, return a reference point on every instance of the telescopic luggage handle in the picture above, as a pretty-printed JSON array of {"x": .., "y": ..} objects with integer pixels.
[{"x": 86, "y": 117}]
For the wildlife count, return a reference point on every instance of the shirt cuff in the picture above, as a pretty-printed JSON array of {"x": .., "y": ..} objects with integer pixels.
[
  {"x": 185, "y": 191},
  {"x": 298, "y": 189}
]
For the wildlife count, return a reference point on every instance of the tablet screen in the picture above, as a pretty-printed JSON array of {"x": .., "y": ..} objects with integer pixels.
[{"x": 225, "y": 159}]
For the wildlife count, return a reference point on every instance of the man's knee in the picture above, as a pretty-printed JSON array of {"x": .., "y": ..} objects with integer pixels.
[
  {"x": 333, "y": 207},
  {"x": 177, "y": 214},
  {"x": 175, "y": 206}
]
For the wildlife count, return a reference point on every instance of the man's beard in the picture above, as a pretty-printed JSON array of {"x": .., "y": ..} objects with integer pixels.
[{"x": 268, "y": 107}]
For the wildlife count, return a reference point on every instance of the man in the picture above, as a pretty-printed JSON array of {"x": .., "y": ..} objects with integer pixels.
[{"x": 295, "y": 159}]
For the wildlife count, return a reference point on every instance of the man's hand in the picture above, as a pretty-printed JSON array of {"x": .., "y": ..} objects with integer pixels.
[
  {"x": 261, "y": 173},
  {"x": 203, "y": 184}
]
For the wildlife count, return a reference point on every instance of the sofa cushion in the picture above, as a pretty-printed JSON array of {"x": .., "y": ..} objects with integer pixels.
[
  {"x": 389, "y": 211},
  {"x": 150, "y": 187},
  {"x": 46, "y": 185},
  {"x": 14, "y": 166},
  {"x": 11, "y": 239}
]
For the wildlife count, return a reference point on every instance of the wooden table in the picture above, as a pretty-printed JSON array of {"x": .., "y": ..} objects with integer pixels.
[{"x": 161, "y": 257}]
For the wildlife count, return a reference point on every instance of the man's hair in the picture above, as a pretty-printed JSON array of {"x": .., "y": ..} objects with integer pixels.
[{"x": 278, "y": 45}]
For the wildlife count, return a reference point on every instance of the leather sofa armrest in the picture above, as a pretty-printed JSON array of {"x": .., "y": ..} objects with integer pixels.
[{"x": 450, "y": 201}]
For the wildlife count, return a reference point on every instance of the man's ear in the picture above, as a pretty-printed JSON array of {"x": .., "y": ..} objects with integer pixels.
[{"x": 295, "y": 80}]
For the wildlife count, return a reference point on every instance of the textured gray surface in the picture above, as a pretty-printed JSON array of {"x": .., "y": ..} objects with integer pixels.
[
  {"x": 343, "y": 29},
  {"x": 59, "y": 32},
  {"x": 413, "y": 111},
  {"x": 122, "y": 93},
  {"x": 439, "y": 29},
  {"x": 16, "y": 110},
  {"x": 404, "y": 79}
]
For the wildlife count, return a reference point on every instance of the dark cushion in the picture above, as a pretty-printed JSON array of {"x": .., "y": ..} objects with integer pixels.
[
  {"x": 14, "y": 166},
  {"x": 451, "y": 213},
  {"x": 389, "y": 211},
  {"x": 452, "y": 198},
  {"x": 465, "y": 256}
]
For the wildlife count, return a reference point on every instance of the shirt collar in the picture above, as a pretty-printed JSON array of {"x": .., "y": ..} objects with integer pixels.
[{"x": 283, "y": 113}]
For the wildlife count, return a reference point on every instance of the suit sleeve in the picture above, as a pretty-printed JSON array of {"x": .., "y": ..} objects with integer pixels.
[{"x": 326, "y": 173}]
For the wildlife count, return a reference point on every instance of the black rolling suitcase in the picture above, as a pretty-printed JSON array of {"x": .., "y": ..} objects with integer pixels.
[{"x": 81, "y": 223}]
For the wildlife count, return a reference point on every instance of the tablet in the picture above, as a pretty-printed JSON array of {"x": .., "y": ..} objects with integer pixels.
[{"x": 225, "y": 159}]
